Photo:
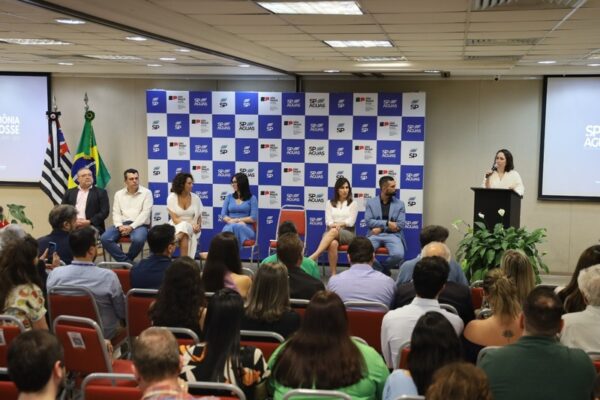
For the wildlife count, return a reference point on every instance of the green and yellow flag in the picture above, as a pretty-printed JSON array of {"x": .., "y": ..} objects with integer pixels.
[{"x": 88, "y": 156}]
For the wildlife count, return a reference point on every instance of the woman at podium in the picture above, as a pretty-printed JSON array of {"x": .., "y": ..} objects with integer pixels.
[{"x": 503, "y": 174}]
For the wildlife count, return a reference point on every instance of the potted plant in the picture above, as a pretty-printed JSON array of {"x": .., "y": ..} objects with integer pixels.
[
  {"x": 16, "y": 213},
  {"x": 481, "y": 248}
]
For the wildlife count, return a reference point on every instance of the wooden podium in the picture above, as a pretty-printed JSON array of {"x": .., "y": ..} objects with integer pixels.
[{"x": 489, "y": 201}]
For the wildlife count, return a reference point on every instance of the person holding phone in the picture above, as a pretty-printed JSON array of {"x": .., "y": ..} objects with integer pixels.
[
  {"x": 63, "y": 219},
  {"x": 503, "y": 174}
]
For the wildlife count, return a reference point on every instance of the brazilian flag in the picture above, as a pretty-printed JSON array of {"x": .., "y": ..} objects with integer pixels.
[{"x": 87, "y": 156}]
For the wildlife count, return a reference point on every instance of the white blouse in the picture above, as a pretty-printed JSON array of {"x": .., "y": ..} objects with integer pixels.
[
  {"x": 341, "y": 213},
  {"x": 510, "y": 180}
]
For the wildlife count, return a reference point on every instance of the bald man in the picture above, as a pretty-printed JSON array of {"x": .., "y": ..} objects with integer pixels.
[
  {"x": 90, "y": 201},
  {"x": 455, "y": 294}
]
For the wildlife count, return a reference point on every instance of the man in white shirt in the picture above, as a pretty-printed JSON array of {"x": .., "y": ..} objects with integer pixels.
[
  {"x": 132, "y": 207},
  {"x": 90, "y": 201},
  {"x": 429, "y": 278}
]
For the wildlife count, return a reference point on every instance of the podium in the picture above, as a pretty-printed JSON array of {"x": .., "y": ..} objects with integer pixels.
[{"x": 489, "y": 201}]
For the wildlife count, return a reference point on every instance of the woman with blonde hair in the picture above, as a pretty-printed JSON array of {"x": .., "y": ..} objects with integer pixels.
[
  {"x": 503, "y": 326},
  {"x": 518, "y": 268},
  {"x": 268, "y": 306}
]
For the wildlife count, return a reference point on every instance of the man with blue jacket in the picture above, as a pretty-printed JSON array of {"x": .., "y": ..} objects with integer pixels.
[{"x": 385, "y": 216}]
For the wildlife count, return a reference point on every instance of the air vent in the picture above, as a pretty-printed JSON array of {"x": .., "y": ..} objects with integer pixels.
[
  {"x": 502, "y": 42},
  {"x": 505, "y": 5},
  {"x": 492, "y": 58}
]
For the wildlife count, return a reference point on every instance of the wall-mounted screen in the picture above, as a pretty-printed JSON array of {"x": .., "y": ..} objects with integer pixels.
[
  {"x": 570, "y": 146},
  {"x": 24, "y": 101}
]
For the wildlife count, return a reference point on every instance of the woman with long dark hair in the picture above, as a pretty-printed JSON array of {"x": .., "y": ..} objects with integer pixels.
[
  {"x": 322, "y": 355},
  {"x": 503, "y": 174},
  {"x": 223, "y": 266},
  {"x": 220, "y": 358},
  {"x": 20, "y": 293},
  {"x": 240, "y": 209},
  {"x": 185, "y": 211},
  {"x": 433, "y": 344},
  {"x": 269, "y": 302},
  {"x": 340, "y": 218},
  {"x": 571, "y": 296},
  {"x": 180, "y": 302}
]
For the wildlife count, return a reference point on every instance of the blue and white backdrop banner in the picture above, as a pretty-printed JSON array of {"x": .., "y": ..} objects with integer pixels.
[{"x": 292, "y": 146}]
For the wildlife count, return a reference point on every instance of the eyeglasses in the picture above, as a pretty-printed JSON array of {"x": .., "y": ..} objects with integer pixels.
[{"x": 233, "y": 182}]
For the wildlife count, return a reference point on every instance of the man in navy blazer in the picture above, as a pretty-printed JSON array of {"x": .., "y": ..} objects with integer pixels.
[
  {"x": 90, "y": 201},
  {"x": 385, "y": 216}
]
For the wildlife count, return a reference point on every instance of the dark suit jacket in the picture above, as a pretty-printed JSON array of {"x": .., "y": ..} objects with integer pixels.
[
  {"x": 96, "y": 208},
  {"x": 455, "y": 294},
  {"x": 302, "y": 285}
]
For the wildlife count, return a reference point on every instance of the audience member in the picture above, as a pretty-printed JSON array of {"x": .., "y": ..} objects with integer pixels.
[
  {"x": 150, "y": 271},
  {"x": 220, "y": 358},
  {"x": 455, "y": 294},
  {"x": 103, "y": 283},
  {"x": 36, "y": 365},
  {"x": 185, "y": 210},
  {"x": 180, "y": 301},
  {"x": 361, "y": 282},
  {"x": 20, "y": 293},
  {"x": 268, "y": 306},
  {"x": 503, "y": 326},
  {"x": 429, "y": 278},
  {"x": 63, "y": 219},
  {"x": 289, "y": 252},
  {"x": 518, "y": 268},
  {"x": 459, "y": 381},
  {"x": 322, "y": 355},
  {"x": 571, "y": 295},
  {"x": 157, "y": 365},
  {"x": 131, "y": 211},
  {"x": 385, "y": 217},
  {"x": 340, "y": 220},
  {"x": 308, "y": 265},
  {"x": 431, "y": 233},
  {"x": 597, "y": 388},
  {"x": 223, "y": 266},
  {"x": 582, "y": 329},
  {"x": 240, "y": 209},
  {"x": 90, "y": 201},
  {"x": 433, "y": 344},
  {"x": 537, "y": 366}
]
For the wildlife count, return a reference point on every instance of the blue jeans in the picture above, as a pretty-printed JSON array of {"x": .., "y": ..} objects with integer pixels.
[
  {"x": 112, "y": 235},
  {"x": 395, "y": 247}
]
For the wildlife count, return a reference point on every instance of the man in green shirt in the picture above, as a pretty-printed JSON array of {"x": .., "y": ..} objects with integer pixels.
[
  {"x": 537, "y": 366},
  {"x": 308, "y": 265}
]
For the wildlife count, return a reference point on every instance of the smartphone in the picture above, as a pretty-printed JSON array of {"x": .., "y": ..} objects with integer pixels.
[{"x": 51, "y": 249}]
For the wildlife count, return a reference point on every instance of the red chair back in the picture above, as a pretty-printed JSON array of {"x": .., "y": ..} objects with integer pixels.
[
  {"x": 297, "y": 215},
  {"x": 102, "y": 386},
  {"x": 124, "y": 278},
  {"x": 72, "y": 300},
  {"x": 10, "y": 328},
  {"x": 8, "y": 391},
  {"x": 138, "y": 305},
  {"x": 597, "y": 365},
  {"x": 266, "y": 341},
  {"x": 366, "y": 325},
  {"x": 404, "y": 358},
  {"x": 477, "y": 297}
]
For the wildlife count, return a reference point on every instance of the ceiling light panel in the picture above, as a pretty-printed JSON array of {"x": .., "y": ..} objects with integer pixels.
[
  {"x": 34, "y": 42},
  {"x": 313, "y": 7},
  {"x": 358, "y": 43}
]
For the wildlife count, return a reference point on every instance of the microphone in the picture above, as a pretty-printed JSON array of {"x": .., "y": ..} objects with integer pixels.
[{"x": 494, "y": 168}]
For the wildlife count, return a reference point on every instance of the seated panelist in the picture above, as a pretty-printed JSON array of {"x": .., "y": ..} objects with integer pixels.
[
  {"x": 185, "y": 211},
  {"x": 240, "y": 209}
]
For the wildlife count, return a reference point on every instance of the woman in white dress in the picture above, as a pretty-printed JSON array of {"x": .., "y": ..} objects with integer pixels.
[
  {"x": 185, "y": 211},
  {"x": 503, "y": 174},
  {"x": 340, "y": 218}
]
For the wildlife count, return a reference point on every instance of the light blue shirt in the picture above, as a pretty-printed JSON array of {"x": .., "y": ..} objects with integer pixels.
[
  {"x": 407, "y": 268},
  {"x": 399, "y": 383},
  {"x": 104, "y": 285},
  {"x": 362, "y": 283}
]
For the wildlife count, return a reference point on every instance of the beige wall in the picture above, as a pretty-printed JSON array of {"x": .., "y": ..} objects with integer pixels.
[{"x": 467, "y": 121}]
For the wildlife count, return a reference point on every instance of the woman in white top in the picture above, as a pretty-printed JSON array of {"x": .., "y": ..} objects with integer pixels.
[
  {"x": 340, "y": 217},
  {"x": 185, "y": 211},
  {"x": 503, "y": 174}
]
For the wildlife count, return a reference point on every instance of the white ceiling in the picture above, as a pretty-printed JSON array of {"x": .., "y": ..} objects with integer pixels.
[{"x": 446, "y": 35}]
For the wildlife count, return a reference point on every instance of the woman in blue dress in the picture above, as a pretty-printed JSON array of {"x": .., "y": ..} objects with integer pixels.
[{"x": 240, "y": 210}]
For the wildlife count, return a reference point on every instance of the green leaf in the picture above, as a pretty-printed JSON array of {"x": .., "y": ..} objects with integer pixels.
[{"x": 18, "y": 213}]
